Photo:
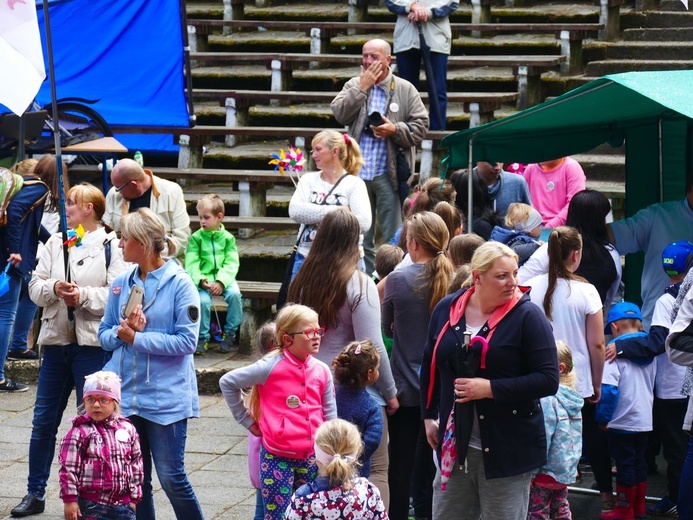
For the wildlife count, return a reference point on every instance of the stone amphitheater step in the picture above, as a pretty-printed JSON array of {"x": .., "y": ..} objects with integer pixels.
[
  {"x": 601, "y": 68},
  {"x": 651, "y": 50},
  {"x": 671, "y": 34}
]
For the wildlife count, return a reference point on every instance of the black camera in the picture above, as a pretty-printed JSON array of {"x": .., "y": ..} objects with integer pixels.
[{"x": 374, "y": 119}]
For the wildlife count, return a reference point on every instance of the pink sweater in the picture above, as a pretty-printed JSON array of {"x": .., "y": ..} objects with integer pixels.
[{"x": 552, "y": 190}]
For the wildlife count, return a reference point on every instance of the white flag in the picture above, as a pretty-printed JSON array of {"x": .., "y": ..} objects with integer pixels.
[
  {"x": 685, "y": 2},
  {"x": 21, "y": 56}
]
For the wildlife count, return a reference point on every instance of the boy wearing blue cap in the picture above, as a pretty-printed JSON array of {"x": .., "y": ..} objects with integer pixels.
[
  {"x": 625, "y": 410},
  {"x": 669, "y": 404}
]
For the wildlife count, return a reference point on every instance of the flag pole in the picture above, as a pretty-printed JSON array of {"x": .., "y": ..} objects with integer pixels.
[{"x": 56, "y": 141}]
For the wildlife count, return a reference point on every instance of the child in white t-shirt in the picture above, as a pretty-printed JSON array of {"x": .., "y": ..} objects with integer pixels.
[{"x": 625, "y": 410}]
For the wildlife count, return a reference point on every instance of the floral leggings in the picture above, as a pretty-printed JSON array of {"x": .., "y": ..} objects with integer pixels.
[
  {"x": 545, "y": 503},
  {"x": 279, "y": 478}
]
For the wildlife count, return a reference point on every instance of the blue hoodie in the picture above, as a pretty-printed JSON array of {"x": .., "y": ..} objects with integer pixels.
[
  {"x": 157, "y": 371},
  {"x": 520, "y": 242}
]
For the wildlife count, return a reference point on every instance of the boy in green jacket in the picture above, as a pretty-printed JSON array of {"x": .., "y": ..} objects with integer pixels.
[{"x": 212, "y": 261}]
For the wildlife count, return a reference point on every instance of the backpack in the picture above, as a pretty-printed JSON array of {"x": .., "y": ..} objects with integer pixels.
[{"x": 10, "y": 184}]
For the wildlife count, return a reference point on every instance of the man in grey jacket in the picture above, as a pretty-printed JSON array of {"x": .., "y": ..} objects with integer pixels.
[
  {"x": 435, "y": 26},
  {"x": 404, "y": 122}
]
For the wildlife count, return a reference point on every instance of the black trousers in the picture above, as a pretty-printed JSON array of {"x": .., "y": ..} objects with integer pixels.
[
  {"x": 628, "y": 450},
  {"x": 595, "y": 446},
  {"x": 668, "y": 423}
]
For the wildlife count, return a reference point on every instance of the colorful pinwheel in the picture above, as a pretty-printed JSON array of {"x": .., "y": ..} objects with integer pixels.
[
  {"x": 74, "y": 237},
  {"x": 291, "y": 162}
]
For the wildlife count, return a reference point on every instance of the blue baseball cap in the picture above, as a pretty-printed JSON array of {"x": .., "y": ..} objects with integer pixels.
[
  {"x": 675, "y": 256},
  {"x": 620, "y": 311}
]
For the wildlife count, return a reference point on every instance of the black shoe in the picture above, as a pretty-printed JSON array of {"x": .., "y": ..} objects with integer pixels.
[
  {"x": 30, "y": 505},
  {"x": 22, "y": 354},
  {"x": 12, "y": 386}
]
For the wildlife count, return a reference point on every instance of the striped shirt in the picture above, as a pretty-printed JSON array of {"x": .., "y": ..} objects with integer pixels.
[{"x": 374, "y": 150}]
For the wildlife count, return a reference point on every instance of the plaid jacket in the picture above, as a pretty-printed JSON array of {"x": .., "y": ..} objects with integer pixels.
[{"x": 101, "y": 461}]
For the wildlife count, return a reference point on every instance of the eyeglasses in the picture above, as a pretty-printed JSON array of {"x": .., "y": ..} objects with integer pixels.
[
  {"x": 102, "y": 400},
  {"x": 310, "y": 333},
  {"x": 122, "y": 186}
]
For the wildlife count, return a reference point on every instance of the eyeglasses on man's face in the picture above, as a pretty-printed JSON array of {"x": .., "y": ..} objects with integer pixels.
[
  {"x": 101, "y": 400},
  {"x": 310, "y": 333},
  {"x": 122, "y": 186}
]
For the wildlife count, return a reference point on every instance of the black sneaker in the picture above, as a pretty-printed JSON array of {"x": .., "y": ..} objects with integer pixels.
[
  {"x": 22, "y": 354},
  {"x": 12, "y": 386},
  {"x": 30, "y": 505}
]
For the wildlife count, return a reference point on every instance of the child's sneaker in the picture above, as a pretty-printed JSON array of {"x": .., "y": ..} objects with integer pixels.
[
  {"x": 228, "y": 344},
  {"x": 665, "y": 507},
  {"x": 201, "y": 347}
]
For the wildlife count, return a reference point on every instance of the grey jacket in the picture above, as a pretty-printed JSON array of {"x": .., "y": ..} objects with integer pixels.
[
  {"x": 436, "y": 30},
  {"x": 350, "y": 108}
]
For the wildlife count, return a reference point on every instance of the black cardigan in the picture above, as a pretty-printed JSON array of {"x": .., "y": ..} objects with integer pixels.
[{"x": 522, "y": 365}]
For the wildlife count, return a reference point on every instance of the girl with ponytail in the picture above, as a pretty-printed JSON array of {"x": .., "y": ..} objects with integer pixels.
[
  {"x": 411, "y": 293},
  {"x": 575, "y": 310},
  {"x": 337, "y": 489}
]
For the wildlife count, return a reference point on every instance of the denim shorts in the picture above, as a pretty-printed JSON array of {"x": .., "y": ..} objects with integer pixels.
[{"x": 94, "y": 511}]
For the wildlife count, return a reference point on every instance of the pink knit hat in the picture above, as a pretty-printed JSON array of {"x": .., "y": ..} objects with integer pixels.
[{"x": 102, "y": 383}]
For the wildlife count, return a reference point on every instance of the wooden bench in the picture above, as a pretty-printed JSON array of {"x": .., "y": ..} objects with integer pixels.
[
  {"x": 528, "y": 69},
  {"x": 570, "y": 35},
  {"x": 258, "y": 299},
  {"x": 479, "y": 105},
  {"x": 609, "y": 13},
  {"x": 271, "y": 223}
]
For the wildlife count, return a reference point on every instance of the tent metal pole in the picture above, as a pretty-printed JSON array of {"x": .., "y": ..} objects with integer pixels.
[
  {"x": 661, "y": 161},
  {"x": 186, "y": 61},
  {"x": 56, "y": 137},
  {"x": 470, "y": 168}
]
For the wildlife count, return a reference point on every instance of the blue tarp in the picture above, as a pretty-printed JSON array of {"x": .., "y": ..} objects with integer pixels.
[{"x": 128, "y": 54}]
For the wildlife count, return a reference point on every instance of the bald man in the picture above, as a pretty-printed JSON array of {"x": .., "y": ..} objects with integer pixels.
[
  {"x": 135, "y": 187},
  {"x": 404, "y": 125}
]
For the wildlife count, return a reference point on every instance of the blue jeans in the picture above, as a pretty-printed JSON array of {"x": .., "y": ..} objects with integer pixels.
[
  {"x": 95, "y": 511},
  {"x": 8, "y": 311},
  {"x": 386, "y": 207},
  {"x": 628, "y": 451},
  {"x": 685, "y": 503},
  {"x": 26, "y": 311},
  {"x": 409, "y": 67},
  {"x": 259, "y": 507},
  {"x": 234, "y": 310},
  {"x": 63, "y": 368},
  {"x": 165, "y": 446}
]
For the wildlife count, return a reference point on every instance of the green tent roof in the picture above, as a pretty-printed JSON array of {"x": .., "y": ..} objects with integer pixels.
[{"x": 577, "y": 121}]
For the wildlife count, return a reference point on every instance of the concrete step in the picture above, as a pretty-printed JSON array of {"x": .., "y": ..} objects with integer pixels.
[
  {"x": 650, "y": 50},
  {"x": 661, "y": 19},
  {"x": 669, "y": 34},
  {"x": 601, "y": 68}
]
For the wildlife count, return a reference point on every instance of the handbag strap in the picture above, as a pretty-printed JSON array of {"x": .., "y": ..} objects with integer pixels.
[{"x": 322, "y": 203}]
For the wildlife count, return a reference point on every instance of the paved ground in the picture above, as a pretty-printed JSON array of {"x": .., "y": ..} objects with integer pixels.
[{"x": 215, "y": 459}]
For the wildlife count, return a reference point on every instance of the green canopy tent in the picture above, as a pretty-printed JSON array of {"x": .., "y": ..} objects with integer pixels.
[{"x": 651, "y": 111}]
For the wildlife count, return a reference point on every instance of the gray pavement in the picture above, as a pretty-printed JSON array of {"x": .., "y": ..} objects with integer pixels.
[
  {"x": 216, "y": 453},
  {"x": 216, "y": 456}
]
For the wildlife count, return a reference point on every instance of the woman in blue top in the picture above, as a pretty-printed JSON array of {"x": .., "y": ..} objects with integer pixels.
[{"x": 153, "y": 355}]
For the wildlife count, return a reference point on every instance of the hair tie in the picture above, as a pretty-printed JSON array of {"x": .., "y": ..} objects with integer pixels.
[
  {"x": 325, "y": 458},
  {"x": 346, "y": 138},
  {"x": 439, "y": 252},
  {"x": 357, "y": 350}
]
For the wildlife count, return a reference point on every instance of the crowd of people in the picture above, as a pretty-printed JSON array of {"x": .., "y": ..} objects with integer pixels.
[{"x": 442, "y": 374}]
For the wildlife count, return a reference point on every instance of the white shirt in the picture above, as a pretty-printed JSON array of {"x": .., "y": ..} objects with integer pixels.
[
  {"x": 573, "y": 301},
  {"x": 635, "y": 383},
  {"x": 669, "y": 375}
]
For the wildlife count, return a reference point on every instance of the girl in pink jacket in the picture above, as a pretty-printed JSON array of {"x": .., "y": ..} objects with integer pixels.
[{"x": 294, "y": 396}]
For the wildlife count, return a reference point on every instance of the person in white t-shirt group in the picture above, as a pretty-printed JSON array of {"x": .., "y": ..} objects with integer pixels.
[
  {"x": 625, "y": 410},
  {"x": 575, "y": 310}
]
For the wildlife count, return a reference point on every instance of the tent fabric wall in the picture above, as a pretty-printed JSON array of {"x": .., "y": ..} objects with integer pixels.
[{"x": 128, "y": 54}]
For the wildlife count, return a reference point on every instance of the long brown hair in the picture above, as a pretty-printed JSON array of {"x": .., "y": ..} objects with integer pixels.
[
  {"x": 431, "y": 233},
  {"x": 47, "y": 170},
  {"x": 563, "y": 241},
  {"x": 322, "y": 280}
]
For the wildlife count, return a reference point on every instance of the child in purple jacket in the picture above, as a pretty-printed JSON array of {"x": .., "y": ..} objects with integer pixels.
[{"x": 100, "y": 458}]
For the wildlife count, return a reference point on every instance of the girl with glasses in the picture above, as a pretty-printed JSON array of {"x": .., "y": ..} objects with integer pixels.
[
  {"x": 100, "y": 457},
  {"x": 296, "y": 395}
]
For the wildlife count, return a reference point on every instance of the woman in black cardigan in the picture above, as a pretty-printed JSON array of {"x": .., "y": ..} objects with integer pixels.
[{"x": 503, "y": 440}]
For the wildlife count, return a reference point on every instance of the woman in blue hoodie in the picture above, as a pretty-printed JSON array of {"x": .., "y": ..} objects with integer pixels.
[{"x": 153, "y": 355}]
